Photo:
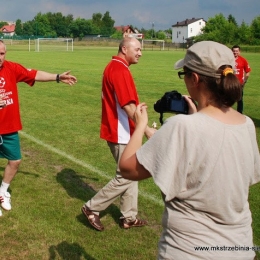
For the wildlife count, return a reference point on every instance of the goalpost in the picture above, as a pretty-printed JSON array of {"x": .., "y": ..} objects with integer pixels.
[
  {"x": 54, "y": 44},
  {"x": 153, "y": 44}
]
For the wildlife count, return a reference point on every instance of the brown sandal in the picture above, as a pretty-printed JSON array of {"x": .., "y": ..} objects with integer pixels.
[
  {"x": 93, "y": 218},
  {"x": 136, "y": 223}
]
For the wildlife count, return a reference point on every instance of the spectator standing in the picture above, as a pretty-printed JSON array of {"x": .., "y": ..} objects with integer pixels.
[
  {"x": 242, "y": 71},
  {"x": 10, "y": 122}
]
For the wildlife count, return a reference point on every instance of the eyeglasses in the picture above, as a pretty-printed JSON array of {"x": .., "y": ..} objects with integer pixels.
[{"x": 181, "y": 74}]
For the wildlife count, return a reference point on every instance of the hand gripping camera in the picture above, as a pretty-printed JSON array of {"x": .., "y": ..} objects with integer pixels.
[{"x": 171, "y": 102}]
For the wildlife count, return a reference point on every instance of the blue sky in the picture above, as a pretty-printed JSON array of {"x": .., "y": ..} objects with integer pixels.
[{"x": 140, "y": 13}]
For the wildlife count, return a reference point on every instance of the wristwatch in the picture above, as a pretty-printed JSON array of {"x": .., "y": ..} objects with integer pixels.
[{"x": 58, "y": 78}]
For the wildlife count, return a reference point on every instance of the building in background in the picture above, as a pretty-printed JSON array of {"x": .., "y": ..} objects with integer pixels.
[
  {"x": 187, "y": 29},
  {"x": 8, "y": 30},
  {"x": 129, "y": 31}
]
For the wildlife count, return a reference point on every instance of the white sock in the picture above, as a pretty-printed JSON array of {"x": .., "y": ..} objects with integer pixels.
[{"x": 4, "y": 186}]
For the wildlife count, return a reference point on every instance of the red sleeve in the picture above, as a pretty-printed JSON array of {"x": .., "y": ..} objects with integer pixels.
[
  {"x": 23, "y": 74},
  {"x": 246, "y": 66},
  {"x": 125, "y": 88}
]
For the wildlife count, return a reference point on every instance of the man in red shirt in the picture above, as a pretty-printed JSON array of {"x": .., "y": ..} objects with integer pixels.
[
  {"x": 10, "y": 122},
  {"x": 242, "y": 71},
  {"x": 119, "y": 101}
]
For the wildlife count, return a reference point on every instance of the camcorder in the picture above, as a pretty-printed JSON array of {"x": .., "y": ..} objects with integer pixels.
[{"x": 171, "y": 102}]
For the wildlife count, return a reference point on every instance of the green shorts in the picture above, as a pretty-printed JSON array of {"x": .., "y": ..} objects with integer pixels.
[{"x": 10, "y": 146}]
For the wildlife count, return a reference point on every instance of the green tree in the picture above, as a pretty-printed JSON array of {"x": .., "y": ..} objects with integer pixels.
[
  {"x": 215, "y": 23},
  {"x": 244, "y": 34},
  {"x": 228, "y": 33},
  {"x": 81, "y": 27},
  {"x": 42, "y": 27},
  {"x": 107, "y": 25},
  {"x": 97, "y": 20},
  {"x": 60, "y": 24},
  {"x": 255, "y": 29},
  {"x": 169, "y": 31},
  {"x": 161, "y": 35},
  {"x": 116, "y": 35},
  {"x": 148, "y": 34},
  {"x": 18, "y": 27},
  {"x": 2, "y": 24},
  {"x": 28, "y": 28},
  {"x": 231, "y": 19},
  {"x": 219, "y": 29}
]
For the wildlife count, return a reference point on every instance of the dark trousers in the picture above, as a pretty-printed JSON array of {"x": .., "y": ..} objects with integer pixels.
[{"x": 240, "y": 105}]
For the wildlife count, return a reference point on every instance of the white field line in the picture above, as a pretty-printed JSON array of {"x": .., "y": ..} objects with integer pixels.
[{"x": 84, "y": 164}]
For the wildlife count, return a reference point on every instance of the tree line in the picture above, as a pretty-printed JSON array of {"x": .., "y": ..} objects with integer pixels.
[
  {"x": 218, "y": 28},
  {"x": 228, "y": 32},
  {"x": 56, "y": 25}
]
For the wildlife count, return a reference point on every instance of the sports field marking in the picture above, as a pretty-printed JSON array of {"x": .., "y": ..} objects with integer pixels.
[{"x": 84, "y": 164}]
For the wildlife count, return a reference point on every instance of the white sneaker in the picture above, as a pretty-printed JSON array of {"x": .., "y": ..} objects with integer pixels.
[
  {"x": 1, "y": 214},
  {"x": 5, "y": 199}
]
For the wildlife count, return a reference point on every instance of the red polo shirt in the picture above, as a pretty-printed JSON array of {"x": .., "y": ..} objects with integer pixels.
[{"x": 118, "y": 90}]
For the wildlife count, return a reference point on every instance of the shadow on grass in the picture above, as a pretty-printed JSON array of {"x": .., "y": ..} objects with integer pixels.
[
  {"x": 65, "y": 250},
  {"x": 77, "y": 188}
]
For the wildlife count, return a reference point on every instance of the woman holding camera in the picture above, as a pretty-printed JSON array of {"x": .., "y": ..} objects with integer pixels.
[{"x": 203, "y": 163}]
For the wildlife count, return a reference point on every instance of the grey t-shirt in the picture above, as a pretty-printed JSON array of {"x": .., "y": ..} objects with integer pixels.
[{"x": 204, "y": 168}]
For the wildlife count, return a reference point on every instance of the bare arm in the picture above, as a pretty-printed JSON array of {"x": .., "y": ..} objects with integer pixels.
[
  {"x": 246, "y": 77},
  {"x": 130, "y": 110},
  {"x": 65, "y": 77},
  {"x": 129, "y": 166}
]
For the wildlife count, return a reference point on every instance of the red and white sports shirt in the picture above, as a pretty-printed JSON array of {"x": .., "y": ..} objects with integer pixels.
[
  {"x": 10, "y": 74},
  {"x": 241, "y": 67},
  {"x": 118, "y": 90}
]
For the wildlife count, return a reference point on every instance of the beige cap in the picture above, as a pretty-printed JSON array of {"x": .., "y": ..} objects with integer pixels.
[{"x": 206, "y": 57}]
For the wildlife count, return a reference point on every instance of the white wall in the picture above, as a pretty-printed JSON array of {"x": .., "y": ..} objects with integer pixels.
[
  {"x": 179, "y": 34},
  {"x": 194, "y": 29},
  {"x": 183, "y": 32}
]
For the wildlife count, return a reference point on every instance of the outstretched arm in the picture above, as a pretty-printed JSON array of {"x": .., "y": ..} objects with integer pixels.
[
  {"x": 129, "y": 166},
  {"x": 65, "y": 77}
]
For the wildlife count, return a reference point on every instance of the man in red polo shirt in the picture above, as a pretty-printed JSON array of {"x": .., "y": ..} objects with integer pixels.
[
  {"x": 119, "y": 101},
  {"x": 10, "y": 122},
  {"x": 242, "y": 71}
]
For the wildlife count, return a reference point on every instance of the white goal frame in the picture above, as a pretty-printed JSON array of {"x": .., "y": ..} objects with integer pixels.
[
  {"x": 145, "y": 40},
  {"x": 56, "y": 44}
]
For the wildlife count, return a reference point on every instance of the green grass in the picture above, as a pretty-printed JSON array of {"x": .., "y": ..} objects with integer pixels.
[{"x": 52, "y": 184}]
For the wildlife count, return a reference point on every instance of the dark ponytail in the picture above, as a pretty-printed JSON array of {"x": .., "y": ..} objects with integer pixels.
[
  {"x": 230, "y": 85},
  {"x": 226, "y": 90}
]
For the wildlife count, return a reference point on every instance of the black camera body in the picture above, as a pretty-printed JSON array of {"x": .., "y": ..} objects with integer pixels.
[{"x": 172, "y": 102}]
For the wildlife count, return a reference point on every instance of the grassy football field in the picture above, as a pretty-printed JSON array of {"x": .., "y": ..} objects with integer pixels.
[{"x": 65, "y": 162}]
